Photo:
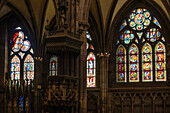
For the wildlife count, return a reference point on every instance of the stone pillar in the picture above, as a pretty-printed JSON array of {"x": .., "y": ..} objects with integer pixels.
[
  {"x": 82, "y": 83},
  {"x": 104, "y": 81},
  {"x": 37, "y": 85},
  {"x": 3, "y": 64}
]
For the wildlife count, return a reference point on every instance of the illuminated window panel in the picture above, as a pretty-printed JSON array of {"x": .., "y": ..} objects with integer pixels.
[
  {"x": 91, "y": 70},
  {"x": 127, "y": 36},
  {"x": 133, "y": 64},
  {"x": 121, "y": 64},
  {"x": 88, "y": 36},
  {"x": 160, "y": 62},
  {"x": 53, "y": 66},
  {"x": 147, "y": 63},
  {"x": 15, "y": 68},
  {"x": 153, "y": 34},
  {"x": 139, "y": 19},
  {"x": 155, "y": 21},
  {"x": 28, "y": 68},
  {"x": 123, "y": 25}
]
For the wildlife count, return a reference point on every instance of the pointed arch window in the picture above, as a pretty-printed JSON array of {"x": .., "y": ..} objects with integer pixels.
[
  {"x": 15, "y": 68},
  {"x": 22, "y": 61},
  {"x": 91, "y": 63},
  {"x": 53, "y": 66},
  {"x": 121, "y": 64},
  {"x": 160, "y": 62},
  {"x": 147, "y": 62},
  {"x": 140, "y": 33},
  {"x": 133, "y": 63}
]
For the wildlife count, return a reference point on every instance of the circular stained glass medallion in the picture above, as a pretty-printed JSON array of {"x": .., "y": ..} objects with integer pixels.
[{"x": 139, "y": 19}]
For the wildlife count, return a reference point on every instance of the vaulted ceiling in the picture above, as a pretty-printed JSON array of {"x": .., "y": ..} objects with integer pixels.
[
  {"x": 36, "y": 12},
  {"x": 103, "y": 9}
]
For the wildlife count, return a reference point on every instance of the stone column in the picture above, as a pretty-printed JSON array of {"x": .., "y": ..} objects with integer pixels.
[
  {"x": 3, "y": 64},
  {"x": 37, "y": 85},
  {"x": 82, "y": 83},
  {"x": 104, "y": 81}
]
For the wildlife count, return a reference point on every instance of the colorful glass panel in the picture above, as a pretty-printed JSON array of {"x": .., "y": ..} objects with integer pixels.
[
  {"x": 163, "y": 39},
  {"x": 127, "y": 36},
  {"x": 18, "y": 38},
  {"x": 153, "y": 34},
  {"x": 91, "y": 70},
  {"x": 147, "y": 63},
  {"x": 121, "y": 64},
  {"x": 133, "y": 63},
  {"x": 87, "y": 45},
  {"x": 139, "y": 34},
  {"x": 53, "y": 66},
  {"x": 21, "y": 54},
  {"x": 15, "y": 68},
  {"x": 155, "y": 21},
  {"x": 88, "y": 36},
  {"x": 123, "y": 25},
  {"x": 139, "y": 19},
  {"x": 20, "y": 42},
  {"x": 25, "y": 46},
  {"x": 91, "y": 47},
  {"x": 160, "y": 62},
  {"x": 28, "y": 68}
]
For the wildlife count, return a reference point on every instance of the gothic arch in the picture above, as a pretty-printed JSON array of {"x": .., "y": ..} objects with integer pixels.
[{"x": 119, "y": 18}]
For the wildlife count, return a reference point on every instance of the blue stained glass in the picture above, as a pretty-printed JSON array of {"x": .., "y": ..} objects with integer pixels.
[
  {"x": 123, "y": 25},
  {"x": 155, "y": 21},
  {"x": 139, "y": 19},
  {"x": 88, "y": 36}
]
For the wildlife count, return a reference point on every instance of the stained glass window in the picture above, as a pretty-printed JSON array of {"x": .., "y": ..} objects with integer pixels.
[
  {"x": 53, "y": 66},
  {"x": 91, "y": 62},
  {"x": 121, "y": 64},
  {"x": 133, "y": 63},
  {"x": 153, "y": 34},
  {"x": 160, "y": 62},
  {"x": 139, "y": 19},
  {"x": 147, "y": 62},
  {"x": 91, "y": 70},
  {"x": 141, "y": 34},
  {"x": 127, "y": 36},
  {"x": 29, "y": 68},
  {"x": 15, "y": 68},
  {"x": 21, "y": 55}
]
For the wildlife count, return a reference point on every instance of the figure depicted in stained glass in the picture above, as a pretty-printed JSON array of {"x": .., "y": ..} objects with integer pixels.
[
  {"x": 91, "y": 70},
  {"x": 135, "y": 30},
  {"x": 133, "y": 63},
  {"x": 21, "y": 48},
  {"x": 53, "y": 66},
  {"x": 147, "y": 62},
  {"x": 160, "y": 62},
  {"x": 15, "y": 68},
  {"x": 121, "y": 64},
  {"x": 28, "y": 68}
]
